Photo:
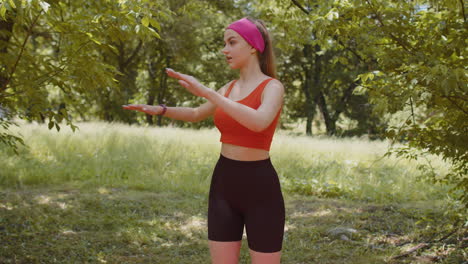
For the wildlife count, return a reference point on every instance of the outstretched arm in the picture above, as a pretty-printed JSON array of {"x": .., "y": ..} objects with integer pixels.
[
  {"x": 254, "y": 119},
  {"x": 188, "y": 114},
  {"x": 179, "y": 113}
]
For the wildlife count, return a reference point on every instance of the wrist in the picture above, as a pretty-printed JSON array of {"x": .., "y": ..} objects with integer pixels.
[
  {"x": 209, "y": 93},
  {"x": 163, "y": 109}
]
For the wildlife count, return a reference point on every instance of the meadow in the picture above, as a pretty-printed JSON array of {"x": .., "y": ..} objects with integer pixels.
[{"x": 115, "y": 193}]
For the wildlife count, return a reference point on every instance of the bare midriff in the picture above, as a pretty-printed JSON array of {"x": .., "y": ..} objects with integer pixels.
[{"x": 243, "y": 153}]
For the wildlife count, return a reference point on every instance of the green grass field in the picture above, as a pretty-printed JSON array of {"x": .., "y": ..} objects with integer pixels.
[{"x": 113, "y": 193}]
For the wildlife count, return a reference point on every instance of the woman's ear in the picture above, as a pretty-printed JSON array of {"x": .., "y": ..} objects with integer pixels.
[{"x": 252, "y": 50}]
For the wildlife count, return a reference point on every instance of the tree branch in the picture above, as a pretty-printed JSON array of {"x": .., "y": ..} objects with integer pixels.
[
  {"x": 412, "y": 109},
  {"x": 134, "y": 53},
  {"x": 348, "y": 48},
  {"x": 397, "y": 40},
  {"x": 455, "y": 104},
  {"x": 21, "y": 52},
  {"x": 5, "y": 95},
  {"x": 52, "y": 75},
  {"x": 463, "y": 10},
  {"x": 344, "y": 100},
  {"x": 302, "y": 8}
]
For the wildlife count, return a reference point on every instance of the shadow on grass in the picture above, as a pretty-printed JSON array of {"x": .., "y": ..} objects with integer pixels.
[
  {"x": 118, "y": 225},
  {"x": 71, "y": 226},
  {"x": 343, "y": 231}
]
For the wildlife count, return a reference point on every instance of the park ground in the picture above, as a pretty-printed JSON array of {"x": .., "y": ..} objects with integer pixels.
[{"x": 111, "y": 193}]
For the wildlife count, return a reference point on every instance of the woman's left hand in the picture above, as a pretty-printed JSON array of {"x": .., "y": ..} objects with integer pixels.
[{"x": 189, "y": 82}]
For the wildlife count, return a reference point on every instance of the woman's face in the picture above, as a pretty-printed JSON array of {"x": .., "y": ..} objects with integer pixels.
[{"x": 236, "y": 49}]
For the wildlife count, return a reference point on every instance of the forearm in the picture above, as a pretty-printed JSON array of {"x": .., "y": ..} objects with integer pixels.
[
  {"x": 187, "y": 114},
  {"x": 248, "y": 117}
]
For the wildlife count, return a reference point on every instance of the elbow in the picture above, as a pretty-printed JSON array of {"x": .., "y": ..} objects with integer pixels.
[
  {"x": 256, "y": 129},
  {"x": 195, "y": 116},
  {"x": 259, "y": 126}
]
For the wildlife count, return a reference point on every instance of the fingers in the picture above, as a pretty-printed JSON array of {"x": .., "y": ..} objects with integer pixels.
[
  {"x": 178, "y": 75},
  {"x": 184, "y": 83},
  {"x": 148, "y": 109},
  {"x": 172, "y": 73},
  {"x": 129, "y": 107},
  {"x": 137, "y": 107},
  {"x": 187, "y": 81}
]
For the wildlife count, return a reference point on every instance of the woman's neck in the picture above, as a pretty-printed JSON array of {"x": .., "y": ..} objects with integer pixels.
[{"x": 251, "y": 73}]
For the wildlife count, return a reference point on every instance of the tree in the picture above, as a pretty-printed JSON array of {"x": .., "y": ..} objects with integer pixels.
[
  {"x": 55, "y": 46},
  {"x": 419, "y": 49},
  {"x": 325, "y": 66},
  {"x": 191, "y": 43}
]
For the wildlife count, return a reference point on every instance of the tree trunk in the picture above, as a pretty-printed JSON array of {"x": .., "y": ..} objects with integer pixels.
[
  {"x": 330, "y": 123},
  {"x": 309, "y": 107},
  {"x": 344, "y": 100},
  {"x": 330, "y": 119},
  {"x": 316, "y": 85},
  {"x": 152, "y": 90},
  {"x": 127, "y": 67},
  {"x": 163, "y": 86}
]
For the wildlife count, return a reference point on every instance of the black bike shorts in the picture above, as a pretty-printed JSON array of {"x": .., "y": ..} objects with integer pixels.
[{"x": 246, "y": 192}]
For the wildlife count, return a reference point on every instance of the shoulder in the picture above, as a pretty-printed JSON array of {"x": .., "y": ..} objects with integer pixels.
[
  {"x": 223, "y": 89},
  {"x": 274, "y": 90},
  {"x": 274, "y": 86}
]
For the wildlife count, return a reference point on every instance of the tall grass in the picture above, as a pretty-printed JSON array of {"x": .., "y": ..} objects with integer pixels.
[{"x": 176, "y": 159}]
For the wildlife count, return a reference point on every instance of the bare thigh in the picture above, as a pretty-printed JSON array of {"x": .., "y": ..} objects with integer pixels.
[
  {"x": 225, "y": 252},
  {"x": 265, "y": 258}
]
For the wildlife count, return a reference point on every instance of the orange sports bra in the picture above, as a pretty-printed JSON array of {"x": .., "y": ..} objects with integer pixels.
[{"x": 232, "y": 132}]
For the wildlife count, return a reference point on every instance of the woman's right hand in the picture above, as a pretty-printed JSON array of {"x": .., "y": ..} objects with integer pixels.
[{"x": 149, "y": 109}]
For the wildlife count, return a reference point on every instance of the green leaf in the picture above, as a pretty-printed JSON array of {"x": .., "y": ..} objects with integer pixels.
[
  {"x": 96, "y": 41},
  {"x": 452, "y": 83},
  {"x": 113, "y": 48},
  {"x": 377, "y": 73},
  {"x": 58, "y": 118},
  {"x": 12, "y": 4},
  {"x": 320, "y": 52},
  {"x": 359, "y": 90},
  {"x": 154, "y": 33},
  {"x": 96, "y": 18},
  {"x": 93, "y": 39},
  {"x": 51, "y": 124},
  {"x": 145, "y": 21},
  {"x": 343, "y": 60},
  {"x": 445, "y": 86},
  {"x": 166, "y": 16},
  {"x": 155, "y": 24},
  {"x": 364, "y": 77},
  {"x": 3, "y": 11}
]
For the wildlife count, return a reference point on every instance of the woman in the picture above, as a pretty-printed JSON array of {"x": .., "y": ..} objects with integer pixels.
[{"x": 245, "y": 188}]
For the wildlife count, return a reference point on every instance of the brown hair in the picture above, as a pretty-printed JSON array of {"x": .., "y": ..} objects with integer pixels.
[{"x": 267, "y": 58}]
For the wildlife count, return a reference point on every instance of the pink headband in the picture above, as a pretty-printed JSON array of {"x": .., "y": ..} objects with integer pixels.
[{"x": 249, "y": 32}]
